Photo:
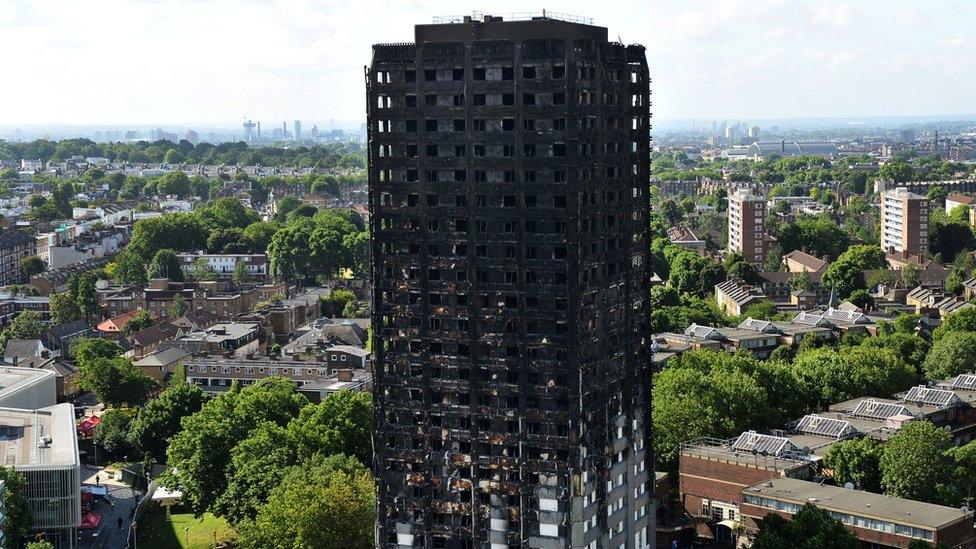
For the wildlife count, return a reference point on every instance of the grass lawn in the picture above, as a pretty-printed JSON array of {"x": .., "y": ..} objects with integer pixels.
[{"x": 185, "y": 530}]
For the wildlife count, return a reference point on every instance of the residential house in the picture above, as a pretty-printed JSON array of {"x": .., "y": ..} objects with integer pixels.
[
  {"x": 162, "y": 364},
  {"x": 733, "y": 296},
  {"x": 147, "y": 340},
  {"x": 255, "y": 265},
  {"x": 117, "y": 323},
  {"x": 18, "y": 350},
  {"x": 59, "y": 338},
  {"x": 799, "y": 261}
]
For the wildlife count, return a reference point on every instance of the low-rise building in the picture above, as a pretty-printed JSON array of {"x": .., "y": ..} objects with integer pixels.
[
  {"x": 29, "y": 388},
  {"x": 233, "y": 338},
  {"x": 734, "y": 296},
  {"x": 255, "y": 265},
  {"x": 217, "y": 374},
  {"x": 799, "y": 261},
  {"x": 42, "y": 445},
  {"x": 877, "y": 520},
  {"x": 161, "y": 365}
]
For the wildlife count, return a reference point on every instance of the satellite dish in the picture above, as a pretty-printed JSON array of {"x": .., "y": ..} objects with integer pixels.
[{"x": 849, "y": 485}]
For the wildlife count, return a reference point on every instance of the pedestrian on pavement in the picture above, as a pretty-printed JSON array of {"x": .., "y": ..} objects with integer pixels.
[
  {"x": 98, "y": 479},
  {"x": 119, "y": 521}
]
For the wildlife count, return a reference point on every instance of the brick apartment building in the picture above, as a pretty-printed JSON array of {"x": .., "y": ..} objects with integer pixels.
[
  {"x": 747, "y": 233},
  {"x": 14, "y": 247},
  {"x": 904, "y": 222}
]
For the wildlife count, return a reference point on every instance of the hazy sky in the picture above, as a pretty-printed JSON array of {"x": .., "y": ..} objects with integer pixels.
[{"x": 213, "y": 61}]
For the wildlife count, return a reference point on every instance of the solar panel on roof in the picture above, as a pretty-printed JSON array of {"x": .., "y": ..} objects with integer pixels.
[
  {"x": 829, "y": 427},
  {"x": 927, "y": 395},
  {"x": 964, "y": 381},
  {"x": 762, "y": 444},
  {"x": 879, "y": 410}
]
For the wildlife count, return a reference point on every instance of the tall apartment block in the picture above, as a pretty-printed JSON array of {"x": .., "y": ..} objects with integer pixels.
[
  {"x": 904, "y": 222},
  {"x": 508, "y": 173},
  {"x": 747, "y": 232}
]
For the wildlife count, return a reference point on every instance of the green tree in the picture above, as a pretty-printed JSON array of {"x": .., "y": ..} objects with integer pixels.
[
  {"x": 810, "y": 528},
  {"x": 177, "y": 307},
  {"x": 175, "y": 183},
  {"x": 899, "y": 172},
  {"x": 227, "y": 241},
  {"x": 88, "y": 349},
  {"x": 240, "y": 274},
  {"x": 689, "y": 403},
  {"x": 86, "y": 294},
  {"x": 199, "y": 456},
  {"x": 908, "y": 347},
  {"x": 130, "y": 269},
  {"x": 32, "y": 265},
  {"x": 64, "y": 309},
  {"x": 963, "y": 320},
  {"x": 285, "y": 206},
  {"x": 202, "y": 270},
  {"x": 694, "y": 274},
  {"x": 335, "y": 303},
  {"x": 18, "y": 517},
  {"x": 181, "y": 232},
  {"x": 915, "y": 465},
  {"x": 112, "y": 433},
  {"x": 26, "y": 325},
  {"x": 951, "y": 355},
  {"x": 801, "y": 282},
  {"x": 315, "y": 507},
  {"x": 40, "y": 545},
  {"x": 159, "y": 420},
  {"x": 165, "y": 264},
  {"x": 115, "y": 381},
  {"x": 856, "y": 461},
  {"x": 832, "y": 375},
  {"x": 259, "y": 234},
  {"x": 909, "y": 275},
  {"x": 229, "y": 213},
  {"x": 173, "y": 156},
  {"x": 141, "y": 321}
]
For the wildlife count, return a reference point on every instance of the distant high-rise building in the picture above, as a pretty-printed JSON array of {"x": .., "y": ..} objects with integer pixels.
[
  {"x": 192, "y": 136},
  {"x": 297, "y": 130},
  {"x": 904, "y": 222},
  {"x": 747, "y": 232},
  {"x": 249, "y": 135},
  {"x": 754, "y": 132},
  {"x": 508, "y": 169},
  {"x": 908, "y": 135},
  {"x": 730, "y": 134}
]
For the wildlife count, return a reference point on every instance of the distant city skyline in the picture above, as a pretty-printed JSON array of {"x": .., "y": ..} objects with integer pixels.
[{"x": 211, "y": 63}]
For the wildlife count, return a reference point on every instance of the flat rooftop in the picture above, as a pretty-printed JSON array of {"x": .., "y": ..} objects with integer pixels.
[
  {"x": 856, "y": 502},
  {"x": 14, "y": 379},
  {"x": 38, "y": 439}
]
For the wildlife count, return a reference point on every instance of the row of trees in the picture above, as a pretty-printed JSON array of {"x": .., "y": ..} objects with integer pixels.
[{"x": 330, "y": 155}]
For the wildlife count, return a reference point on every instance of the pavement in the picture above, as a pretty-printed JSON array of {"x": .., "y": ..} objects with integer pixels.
[{"x": 120, "y": 503}]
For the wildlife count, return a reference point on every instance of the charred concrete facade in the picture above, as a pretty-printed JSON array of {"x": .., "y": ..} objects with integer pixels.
[{"x": 508, "y": 171}]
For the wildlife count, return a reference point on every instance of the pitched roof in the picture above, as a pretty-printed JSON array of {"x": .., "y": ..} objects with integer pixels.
[
  {"x": 163, "y": 357},
  {"x": 156, "y": 333},
  {"x": 23, "y": 348},
  {"x": 116, "y": 323},
  {"x": 73, "y": 327},
  {"x": 809, "y": 261}
]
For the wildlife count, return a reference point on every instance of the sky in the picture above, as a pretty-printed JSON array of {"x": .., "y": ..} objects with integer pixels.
[{"x": 218, "y": 61}]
